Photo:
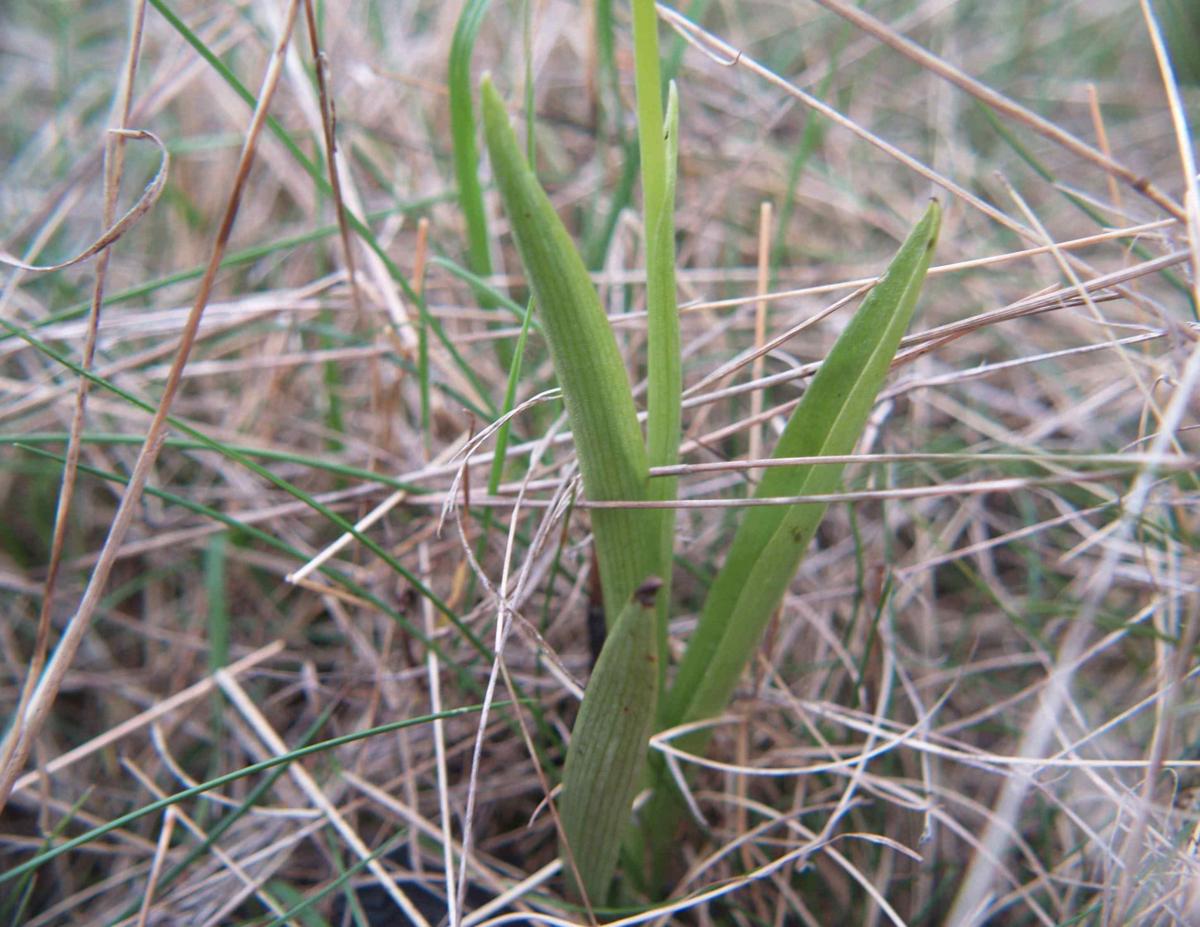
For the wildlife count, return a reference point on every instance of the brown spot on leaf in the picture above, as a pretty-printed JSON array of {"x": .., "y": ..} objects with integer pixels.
[{"x": 647, "y": 592}]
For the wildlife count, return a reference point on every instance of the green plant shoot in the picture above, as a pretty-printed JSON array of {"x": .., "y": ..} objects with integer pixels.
[
  {"x": 658, "y": 146},
  {"x": 595, "y": 384},
  {"x": 771, "y": 540},
  {"x": 608, "y": 747},
  {"x": 462, "y": 131}
]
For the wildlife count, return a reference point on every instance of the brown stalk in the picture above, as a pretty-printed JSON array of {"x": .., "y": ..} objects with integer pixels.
[
  {"x": 29, "y": 723},
  {"x": 760, "y": 321},
  {"x": 1173, "y": 667},
  {"x": 160, "y": 857},
  {"x": 229, "y": 862},
  {"x": 1114, "y": 189},
  {"x": 113, "y": 230},
  {"x": 15, "y": 748},
  {"x": 329, "y": 127},
  {"x": 1003, "y": 104}
]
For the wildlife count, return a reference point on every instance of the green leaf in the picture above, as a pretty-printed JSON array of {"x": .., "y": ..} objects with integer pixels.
[
  {"x": 663, "y": 357},
  {"x": 462, "y": 133},
  {"x": 771, "y": 539},
  {"x": 595, "y": 385},
  {"x": 608, "y": 747},
  {"x": 664, "y": 372}
]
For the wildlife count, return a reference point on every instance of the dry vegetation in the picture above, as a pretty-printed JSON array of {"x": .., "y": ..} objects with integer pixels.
[{"x": 977, "y": 703}]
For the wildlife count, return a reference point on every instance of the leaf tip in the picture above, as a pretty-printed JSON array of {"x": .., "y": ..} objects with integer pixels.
[
  {"x": 487, "y": 89},
  {"x": 495, "y": 115},
  {"x": 933, "y": 216}
]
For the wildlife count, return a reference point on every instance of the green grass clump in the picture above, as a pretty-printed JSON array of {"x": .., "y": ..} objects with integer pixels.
[{"x": 630, "y": 541}]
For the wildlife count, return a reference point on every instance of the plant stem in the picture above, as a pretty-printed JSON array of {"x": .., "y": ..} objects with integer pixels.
[{"x": 658, "y": 144}]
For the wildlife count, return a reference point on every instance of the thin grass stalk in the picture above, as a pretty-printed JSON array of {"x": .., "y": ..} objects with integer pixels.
[
  {"x": 813, "y": 134},
  {"x": 608, "y": 77},
  {"x": 282, "y": 759},
  {"x": 1004, "y": 104},
  {"x": 23, "y": 891},
  {"x": 609, "y": 122},
  {"x": 301, "y": 908},
  {"x": 696, "y": 11},
  {"x": 222, "y": 825},
  {"x": 462, "y": 134},
  {"x": 496, "y": 473},
  {"x": 240, "y": 457},
  {"x": 114, "y": 168},
  {"x": 322, "y": 185},
  {"x": 24, "y": 729},
  {"x": 500, "y": 454},
  {"x": 423, "y": 353},
  {"x": 483, "y": 289},
  {"x": 251, "y": 532},
  {"x": 658, "y": 146},
  {"x": 1039, "y": 167},
  {"x": 232, "y": 259}
]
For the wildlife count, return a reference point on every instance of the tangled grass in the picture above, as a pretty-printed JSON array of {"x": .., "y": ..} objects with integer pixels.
[{"x": 976, "y": 704}]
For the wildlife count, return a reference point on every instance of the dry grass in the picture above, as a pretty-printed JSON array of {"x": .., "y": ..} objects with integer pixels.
[{"x": 979, "y": 695}]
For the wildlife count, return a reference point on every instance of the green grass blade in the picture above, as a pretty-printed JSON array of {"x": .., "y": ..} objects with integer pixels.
[
  {"x": 608, "y": 76},
  {"x": 299, "y": 909},
  {"x": 231, "y": 259},
  {"x": 608, "y": 746},
  {"x": 266, "y": 538},
  {"x": 619, "y": 198},
  {"x": 810, "y": 139},
  {"x": 22, "y": 893},
  {"x": 658, "y": 144},
  {"x": 230, "y": 453},
  {"x": 664, "y": 369},
  {"x": 483, "y": 290},
  {"x": 1180, "y": 21},
  {"x": 321, "y": 183},
  {"x": 216, "y": 556},
  {"x": 319, "y": 464},
  {"x": 500, "y": 456},
  {"x": 648, "y": 80},
  {"x": 1027, "y": 154},
  {"x": 302, "y": 905},
  {"x": 771, "y": 539},
  {"x": 595, "y": 385},
  {"x": 221, "y": 826},
  {"x": 253, "y": 769},
  {"x": 462, "y": 133}
]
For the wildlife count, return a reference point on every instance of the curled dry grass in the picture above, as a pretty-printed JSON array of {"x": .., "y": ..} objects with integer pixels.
[{"x": 978, "y": 694}]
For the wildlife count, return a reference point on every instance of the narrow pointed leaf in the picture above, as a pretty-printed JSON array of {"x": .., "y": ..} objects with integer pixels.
[
  {"x": 462, "y": 132},
  {"x": 664, "y": 371},
  {"x": 595, "y": 384},
  {"x": 608, "y": 746},
  {"x": 771, "y": 539}
]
